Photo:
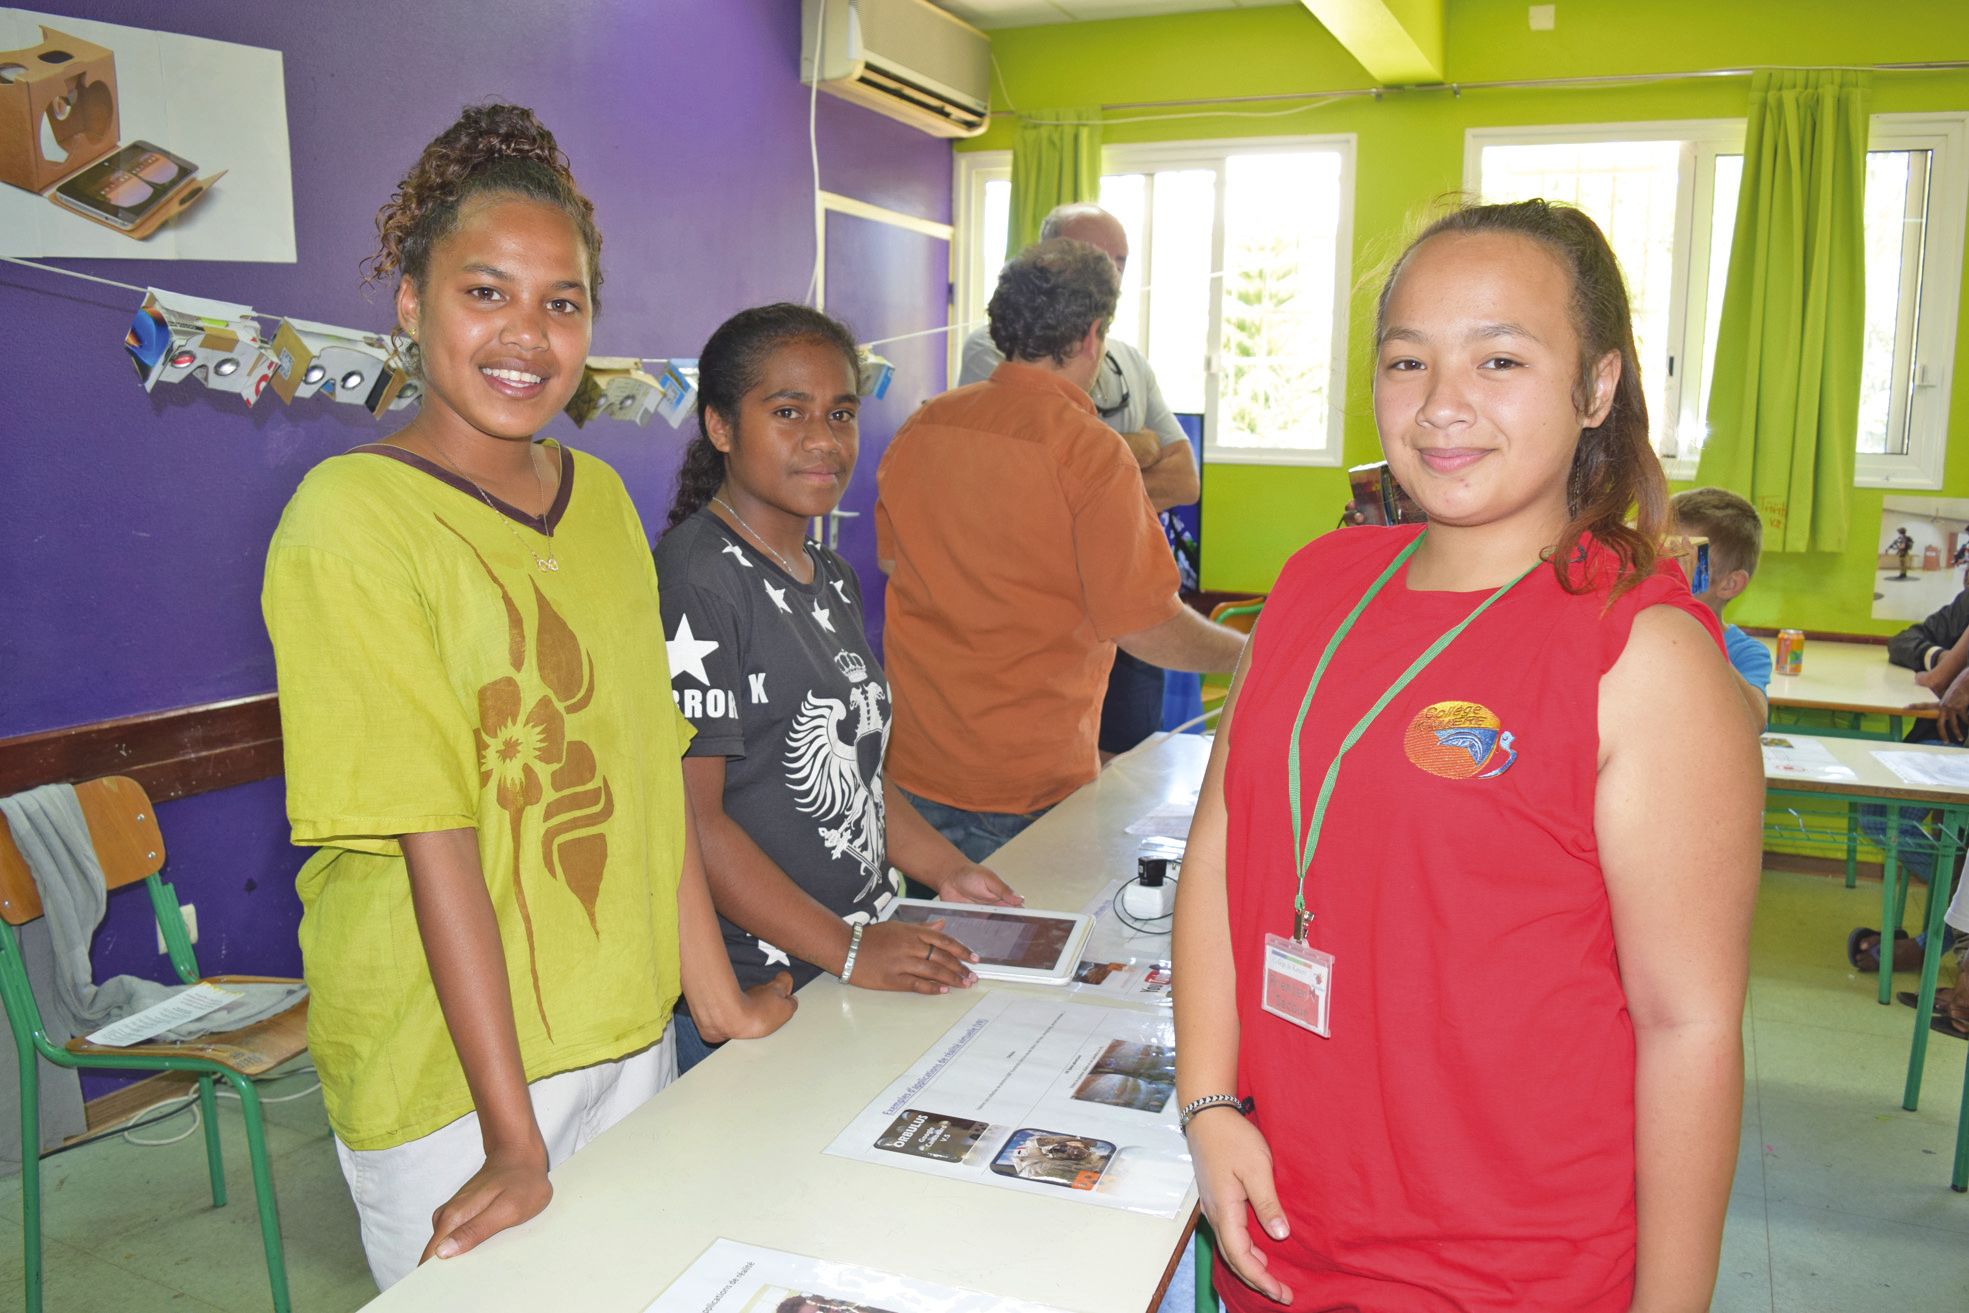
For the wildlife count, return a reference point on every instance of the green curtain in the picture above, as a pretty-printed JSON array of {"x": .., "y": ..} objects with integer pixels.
[
  {"x": 1784, "y": 409},
  {"x": 1056, "y": 160}
]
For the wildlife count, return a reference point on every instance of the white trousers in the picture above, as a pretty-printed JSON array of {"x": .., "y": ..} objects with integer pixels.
[{"x": 397, "y": 1189}]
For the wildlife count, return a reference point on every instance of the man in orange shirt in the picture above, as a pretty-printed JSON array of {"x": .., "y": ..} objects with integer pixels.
[{"x": 1022, "y": 550}]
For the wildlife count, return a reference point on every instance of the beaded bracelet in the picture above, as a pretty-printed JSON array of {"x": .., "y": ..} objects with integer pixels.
[
  {"x": 854, "y": 947},
  {"x": 1195, "y": 1106}
]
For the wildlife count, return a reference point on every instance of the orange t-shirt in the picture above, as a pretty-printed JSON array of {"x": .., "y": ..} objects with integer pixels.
[{"x": 1023, "y": 545}]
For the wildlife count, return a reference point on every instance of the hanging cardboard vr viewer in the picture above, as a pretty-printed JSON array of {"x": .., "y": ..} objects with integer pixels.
[
  {"x": 176, "y": 337},
  {"x": 59, "y": 130}
]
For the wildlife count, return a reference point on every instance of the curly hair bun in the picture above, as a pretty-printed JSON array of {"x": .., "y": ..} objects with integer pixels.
[
  {"x": 484, "y": 133},
  {"x": 491, "y": 148}
]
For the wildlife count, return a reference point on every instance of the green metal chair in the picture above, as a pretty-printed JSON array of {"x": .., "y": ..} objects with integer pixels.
[{"x": 129, "y": 844}]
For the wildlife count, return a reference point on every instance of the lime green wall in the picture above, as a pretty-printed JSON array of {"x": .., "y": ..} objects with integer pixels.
[{"x": 1410, "y": 152}]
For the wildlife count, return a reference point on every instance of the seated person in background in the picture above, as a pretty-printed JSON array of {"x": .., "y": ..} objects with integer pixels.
[
  {"x": 770, "y": 664},
  {"x": 1736, "y": 539},
  {"x": 1129, "y": 401},
  {"x": 1021, "y": 551},
  {"x": 1921, "y": 647}
]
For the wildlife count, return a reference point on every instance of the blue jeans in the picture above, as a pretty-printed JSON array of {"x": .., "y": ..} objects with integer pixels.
[
  {"x": 691, "y": 1048},
  {"x": 1132, "y": 708},
  {"x": 976, "y": 834}
]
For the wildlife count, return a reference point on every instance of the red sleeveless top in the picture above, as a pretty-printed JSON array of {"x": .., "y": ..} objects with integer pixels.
[{"x": 1465, "y": 1140}]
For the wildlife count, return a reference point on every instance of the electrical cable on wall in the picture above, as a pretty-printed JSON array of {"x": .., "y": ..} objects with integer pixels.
[{"x": 813, "y": 153}]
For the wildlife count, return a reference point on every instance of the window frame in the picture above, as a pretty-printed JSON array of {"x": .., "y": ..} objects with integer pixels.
[
  {"x": 1935, "y": 320},
  {"x": 974, "y": 169}
]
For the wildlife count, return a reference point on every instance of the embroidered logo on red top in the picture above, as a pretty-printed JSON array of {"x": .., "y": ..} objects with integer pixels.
[{"x": 1459, "y": 741}]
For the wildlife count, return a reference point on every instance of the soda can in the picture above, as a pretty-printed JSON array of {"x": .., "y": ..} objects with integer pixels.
[{"x": 1791, "y": 651}]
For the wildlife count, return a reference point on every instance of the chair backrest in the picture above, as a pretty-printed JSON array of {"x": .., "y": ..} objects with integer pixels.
[
  {"x": 1238, "y": 614},
  {"x": 123, "y": 825}
]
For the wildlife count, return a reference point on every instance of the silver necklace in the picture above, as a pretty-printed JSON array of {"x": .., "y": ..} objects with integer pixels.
[
  {"x": 784, "y": 564},
  {"x": 549, "y": 563}
]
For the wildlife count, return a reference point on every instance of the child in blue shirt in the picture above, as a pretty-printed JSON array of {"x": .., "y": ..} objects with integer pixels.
[{"x": 1736, "y": 539}]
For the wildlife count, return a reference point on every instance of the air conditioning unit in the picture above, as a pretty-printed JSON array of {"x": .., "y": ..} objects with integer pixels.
[{"x": 907, "y": 59}]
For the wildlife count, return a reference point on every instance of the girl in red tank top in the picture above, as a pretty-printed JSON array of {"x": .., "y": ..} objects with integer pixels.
[{"x": 1472, "y": 782}]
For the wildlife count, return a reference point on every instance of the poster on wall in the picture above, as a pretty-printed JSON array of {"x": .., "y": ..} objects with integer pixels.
[
  {"x": 123, "y": 143},
  {"x": 1922, "y": 558}
]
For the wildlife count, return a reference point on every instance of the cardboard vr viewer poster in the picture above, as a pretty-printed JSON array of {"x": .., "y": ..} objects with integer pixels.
[{"x": 119, "y": 142}]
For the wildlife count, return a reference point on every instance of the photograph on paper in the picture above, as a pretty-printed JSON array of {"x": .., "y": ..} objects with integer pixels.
[
  {"x": 730, "y": 1277},
  {"x": 1071, "y": 1100}
]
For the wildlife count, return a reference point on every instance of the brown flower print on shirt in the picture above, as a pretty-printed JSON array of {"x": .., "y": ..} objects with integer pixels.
[{"x": 525, "y": 754}]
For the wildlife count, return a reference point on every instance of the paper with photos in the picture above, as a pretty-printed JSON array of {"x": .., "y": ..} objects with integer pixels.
[
  {"x": 1059, "y": 1099},
  {"x": 1804, "y": 758},
  {"x": 730, "y": 1277}
]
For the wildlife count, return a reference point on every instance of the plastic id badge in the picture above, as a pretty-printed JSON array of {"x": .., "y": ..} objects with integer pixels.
[{"x": 1298, "y": 983}]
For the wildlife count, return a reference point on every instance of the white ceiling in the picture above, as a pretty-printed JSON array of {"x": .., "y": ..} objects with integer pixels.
[{"x": 1032, "y": 13}]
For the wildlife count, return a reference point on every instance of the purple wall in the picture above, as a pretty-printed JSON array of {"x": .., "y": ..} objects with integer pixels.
[{"x": 137, "y": 524}]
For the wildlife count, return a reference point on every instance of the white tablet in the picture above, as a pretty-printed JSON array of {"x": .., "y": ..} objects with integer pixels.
[{"x": 1012, "y": 943}]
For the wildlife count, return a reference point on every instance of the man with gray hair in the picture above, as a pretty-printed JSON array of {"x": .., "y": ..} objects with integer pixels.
[
  {"x": 1128, "y": 400},
  {"x": 1021, "y": 551}
]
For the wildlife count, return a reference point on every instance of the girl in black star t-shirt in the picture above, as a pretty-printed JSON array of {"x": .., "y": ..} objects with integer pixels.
[{"x": 770, "y": 663}]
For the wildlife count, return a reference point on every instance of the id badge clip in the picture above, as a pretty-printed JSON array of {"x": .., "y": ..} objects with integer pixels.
[{"x": 1298, "y": 984}]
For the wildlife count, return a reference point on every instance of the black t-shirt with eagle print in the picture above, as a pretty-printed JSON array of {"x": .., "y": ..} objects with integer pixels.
[{"x": 778, "y": 678}]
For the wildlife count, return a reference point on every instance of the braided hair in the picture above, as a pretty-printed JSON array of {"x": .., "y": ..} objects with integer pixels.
[
  {"x": 730, "y": 367},
  {"x": 491, "y": 149}
]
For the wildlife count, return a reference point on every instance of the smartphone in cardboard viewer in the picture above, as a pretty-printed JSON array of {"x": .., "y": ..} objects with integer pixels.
[{"x": 126, "y": 186}]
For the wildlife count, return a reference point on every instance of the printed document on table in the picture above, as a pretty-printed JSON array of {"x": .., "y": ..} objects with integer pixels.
[
  {"x": 1169, "y": 820},
  {"x": 1804, "y": 758},
  {"x": 733, "y": 1278},
  {"x": 1067, "y": 1100},
  {"x": 168, "y": 1015},
  {"x": 1932, "y": 770}
]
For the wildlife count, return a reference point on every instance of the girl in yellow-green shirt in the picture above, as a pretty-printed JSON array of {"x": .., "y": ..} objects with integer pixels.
[{"x": 479, "y": 735}]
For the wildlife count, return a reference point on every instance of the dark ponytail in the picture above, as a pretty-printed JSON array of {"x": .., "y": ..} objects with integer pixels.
[
  {"x": 730, "y": 366},
  {"x": 1614, "y": 468}
]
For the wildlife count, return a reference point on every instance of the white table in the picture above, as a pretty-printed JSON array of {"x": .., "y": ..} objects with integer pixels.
[
  {"x": 1854, "y": 677},
  {"x": 735, "y": 1148}
]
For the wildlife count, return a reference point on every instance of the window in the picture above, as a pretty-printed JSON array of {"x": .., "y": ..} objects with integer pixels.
[
  {"x": 1666, "y": 195},
  {"x": 1235, "y": 287}
]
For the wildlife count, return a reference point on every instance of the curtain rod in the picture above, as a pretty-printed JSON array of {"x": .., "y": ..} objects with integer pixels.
[{"x": 1508, "y": 84}]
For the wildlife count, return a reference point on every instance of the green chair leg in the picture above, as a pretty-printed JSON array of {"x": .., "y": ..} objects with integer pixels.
[
  {"x": 1205, "y": 1249},
  {"x": 1852, "y": 844},
  {"x": 256, "y": 1148},
  {"x": 30, "y": 1073},
  {"x": 1890, "y": 917},
  {"x": 215, "y": 1163},
  {"x": 1960, "y": 1181},
  {"x": 1931, "y": 967}
]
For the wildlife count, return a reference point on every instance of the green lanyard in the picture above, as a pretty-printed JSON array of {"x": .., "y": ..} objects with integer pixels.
[{"x": 1304, "y": 842}]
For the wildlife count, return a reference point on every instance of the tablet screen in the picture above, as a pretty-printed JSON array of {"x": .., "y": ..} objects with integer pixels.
[{"x": 1000, "y": 938}]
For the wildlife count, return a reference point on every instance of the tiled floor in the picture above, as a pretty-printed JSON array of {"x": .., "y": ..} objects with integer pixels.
[{"x": 1841, "y": 1204}]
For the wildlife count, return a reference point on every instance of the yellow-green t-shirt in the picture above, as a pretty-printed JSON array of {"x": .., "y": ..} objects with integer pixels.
[{"x": 434, "y": 677}]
